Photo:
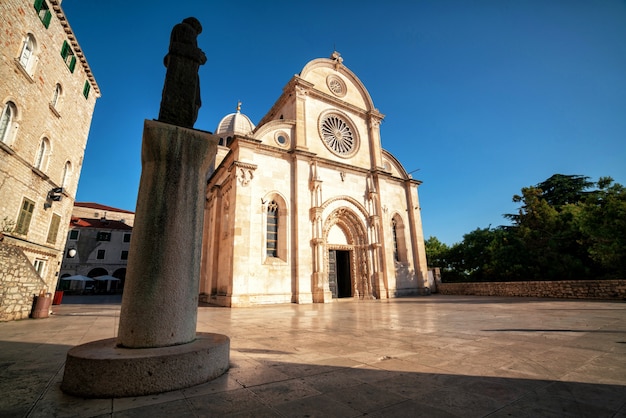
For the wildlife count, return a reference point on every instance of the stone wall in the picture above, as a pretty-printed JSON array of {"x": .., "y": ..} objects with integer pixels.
[
  {"x": 570, "y": 289},
  {"x": 52, "y": 104},
  {"x": 19, "y": 281}
]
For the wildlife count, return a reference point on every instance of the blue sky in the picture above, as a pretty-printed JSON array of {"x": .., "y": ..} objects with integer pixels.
[{"x": 484, "y": 97}]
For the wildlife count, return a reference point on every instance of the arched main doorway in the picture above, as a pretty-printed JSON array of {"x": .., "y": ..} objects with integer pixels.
[{"x": 347, "y": 267}]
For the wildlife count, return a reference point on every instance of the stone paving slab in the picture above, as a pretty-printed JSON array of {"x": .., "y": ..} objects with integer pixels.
[{"x": 435, "y": 356}]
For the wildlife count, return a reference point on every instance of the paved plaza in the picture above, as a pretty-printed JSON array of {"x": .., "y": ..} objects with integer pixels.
[{"x": 434, "y": 356}]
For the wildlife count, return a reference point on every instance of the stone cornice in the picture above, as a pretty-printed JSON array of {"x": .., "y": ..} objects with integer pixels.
[{"x": 56, "y": 6}]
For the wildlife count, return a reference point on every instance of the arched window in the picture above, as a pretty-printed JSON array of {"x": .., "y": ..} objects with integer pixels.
[
  {"x": 399, "y": 239},
  {"x": 394, "y": 233},
  {"x": 271, "y": 244},
  {"x": 6, "y": 122},
  {"x": 27, "y": 55},
  {"x": 42, "y": 154},
  {"x": 56, "y": 96},
  {"x": 67, "y": 170}
]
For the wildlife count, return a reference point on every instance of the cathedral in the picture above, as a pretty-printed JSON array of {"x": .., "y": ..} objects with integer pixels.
[{"x": 306, "y": 206}]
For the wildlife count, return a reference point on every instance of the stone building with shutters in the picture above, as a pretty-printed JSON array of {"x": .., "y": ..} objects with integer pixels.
[
  {"x": 98, "y": 244},
  {"x": 306, "y": 206},
  {"x": 47, "y": 98}
]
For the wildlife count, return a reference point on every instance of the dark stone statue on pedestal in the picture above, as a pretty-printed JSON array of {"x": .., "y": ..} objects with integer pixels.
[{"x": 181, "y": 91}]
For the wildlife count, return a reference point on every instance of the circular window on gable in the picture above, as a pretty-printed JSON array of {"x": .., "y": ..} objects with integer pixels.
[
  {"x": 338, "y": 134},
  {"x": 282, "y": 139},
  {"x": 336, "y": 85}
]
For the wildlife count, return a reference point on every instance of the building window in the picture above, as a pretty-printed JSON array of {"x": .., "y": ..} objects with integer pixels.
[
  {"x": 56, "y": 96},
  {"x": 6, "y": 121},
  {"x": 74, "y": 234},
  {"x": 394, "y": 233},
  {"x": 124, "y": 255},
  {"x": 26, "y": 213},
  {"x": 399, "y": 240},
  {"x": 126, "y": 237},
  {"x": 54, "y": 229},
  {"x": 86, "y": 89},
  {"x": 67, "y": 170},
  {"x": 42, "y": 155},
  {"x": 338, "y": 134},
  {"x": 27, "y": 56},
  {"x": 68, "y": 56},
  {"x": 104, "y": 236},
  {"x": 40, "y": 266},
  {"x": 43, "y": 11},
  {"x": 271, "y": 245},
  {"x": 100, "y": 255}
]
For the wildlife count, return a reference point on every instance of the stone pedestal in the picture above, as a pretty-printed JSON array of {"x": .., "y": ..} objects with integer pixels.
[
  {"x": 157, "y": 348},
  {"x": 160, "y": 301}
]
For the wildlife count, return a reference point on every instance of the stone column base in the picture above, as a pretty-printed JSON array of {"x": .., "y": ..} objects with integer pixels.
[{"x": 100, "y": 369}]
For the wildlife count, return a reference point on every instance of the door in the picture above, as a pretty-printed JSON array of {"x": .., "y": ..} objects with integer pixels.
[
  {"x": 339, "y": 279},
  {"x": 332, "y": 272}
]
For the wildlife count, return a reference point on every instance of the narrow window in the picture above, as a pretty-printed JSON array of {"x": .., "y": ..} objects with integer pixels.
[
  {"x": 74, "y": 234},
  {"x": 54, "y": 229},
  {"x": 42, "y": 154},
  {"x": 26, "y": 213},
  {"x": 394, "y": 233},
  {"x": 126, "y": 237},
  {"x": 86, "y": 89},
  {"x": 272, "y": 230},
  {"x": 124, "y": 255},
  {"x": 56, "y": 96},
  {"x": 6, "y": 120},
  {"x": 28, "y": 52},
  {"x": 67, "y": 170},
  {"x": 43, "y": 11},
  {"x": 68, "y": 56},
  {"x": 100, "y": 255}
]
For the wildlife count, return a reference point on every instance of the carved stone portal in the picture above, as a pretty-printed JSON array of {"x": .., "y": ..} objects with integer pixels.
[{"x": 356, "y": 236}]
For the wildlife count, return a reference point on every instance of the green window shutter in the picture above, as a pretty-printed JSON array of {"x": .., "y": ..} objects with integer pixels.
[
  {"x": 46, "y": 19},
  {"x": 64, "y": 49},
  {"x": 23, "y": 221},
  {"x": 38, "y": 4},
  {"x": 72, "y": 64},
  {"x": 86, "y": 89},
  {"x": 54, "y": 229}
]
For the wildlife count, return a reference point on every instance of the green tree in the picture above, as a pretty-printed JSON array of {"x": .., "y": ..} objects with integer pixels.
[
  {"x": 603, "y": 222},
  {"x": 566, "y": 228},
  {"x": 436, "y": 252}
]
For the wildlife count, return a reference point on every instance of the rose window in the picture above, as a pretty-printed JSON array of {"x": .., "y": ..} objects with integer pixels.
[
  {"x": 337, "y": 134},
  {"x": 336, "y": 85}
]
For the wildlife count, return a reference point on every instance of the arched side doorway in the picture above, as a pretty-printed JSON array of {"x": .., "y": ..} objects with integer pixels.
[{"x": 346, "y": 265}]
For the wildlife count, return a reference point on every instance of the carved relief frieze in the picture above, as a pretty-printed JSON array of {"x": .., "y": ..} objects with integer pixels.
[
  {"x": 301, "y": 92},
  {"x": 244, "y": 172},
  {"x": 244, "y": 176}
]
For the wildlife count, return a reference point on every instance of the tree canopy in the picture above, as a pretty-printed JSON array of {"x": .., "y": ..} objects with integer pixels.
[{"x": 567, "y": 228}]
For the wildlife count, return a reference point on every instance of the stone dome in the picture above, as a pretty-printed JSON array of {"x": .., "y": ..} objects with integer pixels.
[{"x": 235, "y": 124}]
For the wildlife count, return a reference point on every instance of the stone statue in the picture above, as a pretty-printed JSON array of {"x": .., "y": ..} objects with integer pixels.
[{"x": 181, "y": 92}]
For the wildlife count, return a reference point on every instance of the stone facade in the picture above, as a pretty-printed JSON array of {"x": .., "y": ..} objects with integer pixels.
[
  {"x": 98, "y": 243},
  {"x": 96, "y": 247},
  {"x": 47, "y": 98},
  {"x": 568, "y": 289},
  {"x": 307, "y": 206}
]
